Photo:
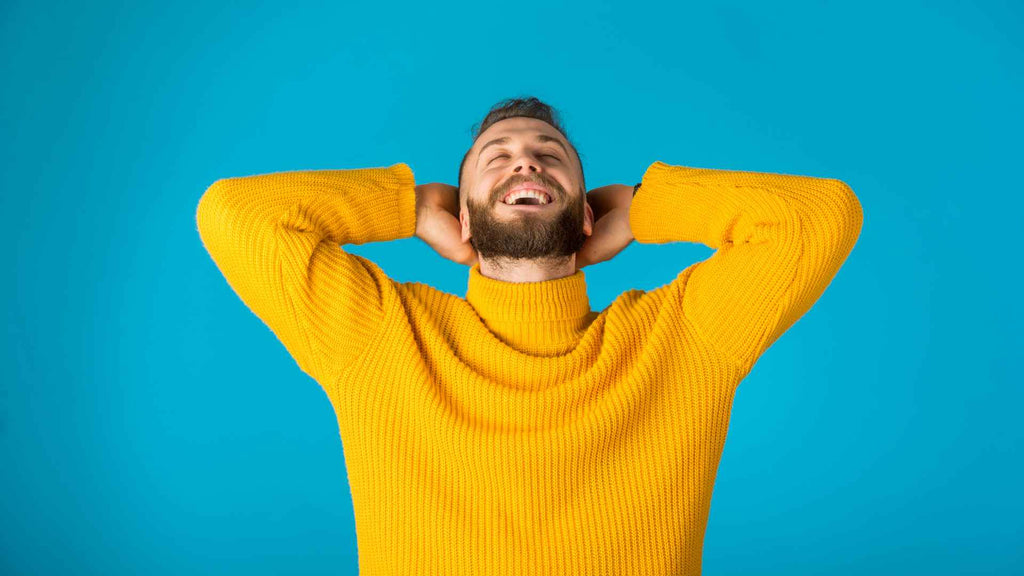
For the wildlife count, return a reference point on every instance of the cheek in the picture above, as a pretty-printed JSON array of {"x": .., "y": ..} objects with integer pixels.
[
  {"x": 487, "y": 189},
  {"x": 568, "y": 187}
]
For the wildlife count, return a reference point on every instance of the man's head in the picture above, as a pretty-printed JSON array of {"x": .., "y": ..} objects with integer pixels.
[{"x": 520, "y": 141}]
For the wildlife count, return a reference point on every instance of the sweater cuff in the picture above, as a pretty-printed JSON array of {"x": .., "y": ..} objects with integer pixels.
[
  {"x": 660, "y": 195},
  {"x": 403, "y": 185}
]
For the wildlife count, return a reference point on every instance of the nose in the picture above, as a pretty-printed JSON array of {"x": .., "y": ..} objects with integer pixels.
[
  {"x": 526, "y": 164},
  {"x": 526, "y": 168}
]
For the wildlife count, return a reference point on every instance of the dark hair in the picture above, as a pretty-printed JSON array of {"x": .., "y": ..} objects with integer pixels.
[{"x": 528, "y": 107}]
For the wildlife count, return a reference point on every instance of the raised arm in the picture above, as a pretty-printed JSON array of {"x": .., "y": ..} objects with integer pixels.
[
  {"x": 779, "y": 241},
  {"x": 275, "y": 238}
]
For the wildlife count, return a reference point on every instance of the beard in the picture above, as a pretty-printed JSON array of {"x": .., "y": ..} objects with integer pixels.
[{"x": 528, "y": 235}]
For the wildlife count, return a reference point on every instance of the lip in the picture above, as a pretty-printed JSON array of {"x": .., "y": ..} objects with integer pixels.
[{"x": 529, "y": 186}]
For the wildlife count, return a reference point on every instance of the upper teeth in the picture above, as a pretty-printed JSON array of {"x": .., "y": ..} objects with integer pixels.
[{"x": 540, "y": 196}]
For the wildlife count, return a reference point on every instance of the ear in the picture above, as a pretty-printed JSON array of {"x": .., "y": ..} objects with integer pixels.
[
  {"x": 588, "y": 219},
  {"x": 464, "y": 223}
]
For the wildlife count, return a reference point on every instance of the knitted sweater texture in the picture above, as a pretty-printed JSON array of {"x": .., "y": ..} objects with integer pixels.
[{"x": 516, "y": 431}]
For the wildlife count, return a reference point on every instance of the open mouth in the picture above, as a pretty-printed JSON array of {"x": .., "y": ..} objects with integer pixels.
[
  {"x": 527, "y": 197},
  {"x": 527, "y": 204}
]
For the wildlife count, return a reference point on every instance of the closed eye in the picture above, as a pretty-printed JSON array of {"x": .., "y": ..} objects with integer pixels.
[{"x": 542, "y": 156}]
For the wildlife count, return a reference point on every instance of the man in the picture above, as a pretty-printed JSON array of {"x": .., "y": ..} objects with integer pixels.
[{"x": 516, "y": 431}]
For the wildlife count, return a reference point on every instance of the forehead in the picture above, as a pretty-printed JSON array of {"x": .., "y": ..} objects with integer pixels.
[{"x": 511, "y": 129}]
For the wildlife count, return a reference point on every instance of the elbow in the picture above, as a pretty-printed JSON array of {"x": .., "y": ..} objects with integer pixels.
[
  {"x": 213, "y": 191},
  {"x": 847, "y": 211},
  {"x": 852, "y": 209},
  {"x": 211, "y": 204}
]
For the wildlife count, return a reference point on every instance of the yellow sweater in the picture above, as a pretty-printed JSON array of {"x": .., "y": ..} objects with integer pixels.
[{"x": 516, "y": 431}]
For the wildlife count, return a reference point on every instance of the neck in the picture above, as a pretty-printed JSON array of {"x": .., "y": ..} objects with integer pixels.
[
  {"x": 543, "y": 317},
  {"x": 528, "y": 270}
]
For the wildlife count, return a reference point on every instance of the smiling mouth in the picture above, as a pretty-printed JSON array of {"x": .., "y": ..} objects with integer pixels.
[
  {"x": 526, "y": 202},
  {"x": 533, "y": 198},
  {"x": 528, "y": 194},
  {"x": 527, "y": 205}
]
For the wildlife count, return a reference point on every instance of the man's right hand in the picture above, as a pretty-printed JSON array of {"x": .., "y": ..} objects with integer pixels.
[{"x": 437, "y": 222}]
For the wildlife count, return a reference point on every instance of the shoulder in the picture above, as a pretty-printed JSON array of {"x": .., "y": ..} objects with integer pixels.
[{"x": 426, "y": 296}]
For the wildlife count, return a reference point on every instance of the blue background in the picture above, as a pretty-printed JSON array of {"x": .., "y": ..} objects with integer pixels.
[{"x": 153, "y": 425}]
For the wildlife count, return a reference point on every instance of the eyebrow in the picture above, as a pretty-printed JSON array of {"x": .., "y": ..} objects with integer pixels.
[{"x": 543, "y": 138}]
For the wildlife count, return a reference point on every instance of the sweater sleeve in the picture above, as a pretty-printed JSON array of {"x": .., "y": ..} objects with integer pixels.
[
  {"x": 779, "y": 241},
  {"x": 275, "y": 238}
]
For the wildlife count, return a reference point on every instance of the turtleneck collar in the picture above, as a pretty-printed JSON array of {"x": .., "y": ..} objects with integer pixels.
[{"x": 536, "y": 317}]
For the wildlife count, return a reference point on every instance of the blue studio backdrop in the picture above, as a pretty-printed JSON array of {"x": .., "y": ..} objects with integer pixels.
[{"x": 152, "y": 425}]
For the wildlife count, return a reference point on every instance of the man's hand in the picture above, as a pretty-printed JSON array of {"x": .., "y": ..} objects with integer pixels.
[
  {"x": 437, "y": 222},
  {"x": 611, "y": 233}
]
